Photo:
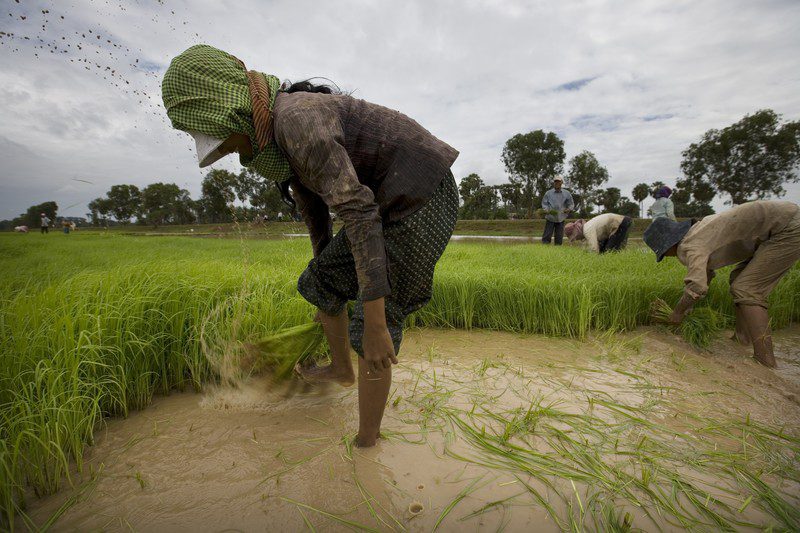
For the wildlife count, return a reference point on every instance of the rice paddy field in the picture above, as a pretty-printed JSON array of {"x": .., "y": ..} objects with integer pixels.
[{"x": 560, "y": 409}]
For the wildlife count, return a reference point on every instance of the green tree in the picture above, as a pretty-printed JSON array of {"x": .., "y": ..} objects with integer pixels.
[
  {"x": 263, "y": 195},
  {"x": 480, "y": 201},
  {"x": 640, "y": 194},
  {"x": 692, "y": 199},
  {"x": 468, "y": 186},
  {"x": 33, "y": 216},
  {"x": 628, "y": 208},
  {"x": 511, "y": 195},
  {"x": 612, "y": 201},
  {"x": 751, "y": 159},
  {"x": 609, "y": 199},
  {"x": 125, "y": 202},
  {"x": 585, "y": 176},
  {"x": 166, "y": 203},
  {"x": 532, "y": 160},
  {"x": 99, "y": 210},
  {"x": 219, "y": 190}
]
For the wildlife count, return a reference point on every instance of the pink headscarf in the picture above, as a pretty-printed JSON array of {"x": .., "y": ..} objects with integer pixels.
[{"x": 574, "y": 230}]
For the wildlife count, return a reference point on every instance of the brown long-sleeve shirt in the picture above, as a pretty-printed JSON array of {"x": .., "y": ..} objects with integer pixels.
[
  {"x": 728, "y": 238},
  {"x": 366, "y": 163}
]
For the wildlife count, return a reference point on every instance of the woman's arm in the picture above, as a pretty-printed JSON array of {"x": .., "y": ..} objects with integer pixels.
[{"x": 313, "y": 141}]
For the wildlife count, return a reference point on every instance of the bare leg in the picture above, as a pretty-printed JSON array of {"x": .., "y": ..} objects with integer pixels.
[
  {"x": 741, "y": 335},
  {"x": 373, "y": 391},
  {"x": 757, "y": 321},
  {"x": 341, "y": 368}
]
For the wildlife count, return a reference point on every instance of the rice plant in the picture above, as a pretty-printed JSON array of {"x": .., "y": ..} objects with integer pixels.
[
  {"x": 610, "y": 465},
  {"x": 699, "y": 327},
  {"x": 283, "y": 350},
  {"x": 94, "y": 325}
]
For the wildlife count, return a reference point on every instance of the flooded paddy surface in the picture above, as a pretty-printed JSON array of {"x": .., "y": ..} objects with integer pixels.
[{"x": 483, "y": 431}]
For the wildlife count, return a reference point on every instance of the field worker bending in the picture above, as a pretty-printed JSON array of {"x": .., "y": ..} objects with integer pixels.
[
  {"x": 557, "y": 203},
  {"x": 763, "y": 237},
  {"x": 603, "y": 233},
  {"x": 382, "y": 173},
  {"x": 663, "y": 206}
]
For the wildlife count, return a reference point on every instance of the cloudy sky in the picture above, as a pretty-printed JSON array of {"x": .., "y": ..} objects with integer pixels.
[{"x": 633, "y": 82}]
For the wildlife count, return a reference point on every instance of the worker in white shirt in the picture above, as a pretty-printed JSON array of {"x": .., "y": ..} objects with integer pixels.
[{"x": 603, "y": 233}]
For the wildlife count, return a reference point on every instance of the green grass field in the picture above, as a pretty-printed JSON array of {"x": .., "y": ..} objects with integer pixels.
[
  {"x": 94, "y": 325},
  {"x": 511, "y": 228}
]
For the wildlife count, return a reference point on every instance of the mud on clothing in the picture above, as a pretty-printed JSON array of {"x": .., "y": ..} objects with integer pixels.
[
  {"x": 413, "y": 245},
  {"x": 367, "y": 163},
  {"x": 762, "y": 236}
]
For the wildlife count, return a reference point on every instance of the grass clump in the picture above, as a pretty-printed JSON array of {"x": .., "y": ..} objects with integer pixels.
[
  {"x": 280, "y": 352},
  {"x": 92, "y": 326},
  {"x": 699, "y": 328}
]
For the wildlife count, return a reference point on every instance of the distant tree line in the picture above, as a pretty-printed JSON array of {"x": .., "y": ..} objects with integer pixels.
[
  {"x": 751, "y": 159},
  {"x": 160, "y": 203},
  {"x": 32, "y": 217}
]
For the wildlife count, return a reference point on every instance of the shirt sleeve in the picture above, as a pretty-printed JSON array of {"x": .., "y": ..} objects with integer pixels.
[
  {"x": 313, "y": 141},
  {"x": 315, "y": 214},
  {"x": 697, "y": 275},
  {"x": 670, "y": 208},
  {"x": 546, "y": 201}
]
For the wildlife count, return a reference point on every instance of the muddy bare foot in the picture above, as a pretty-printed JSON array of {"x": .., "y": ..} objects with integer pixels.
[
  {"x": 326, "y": 374},
  {"x": 366, "y": 442},
  {"x": 767, "y": 360}
]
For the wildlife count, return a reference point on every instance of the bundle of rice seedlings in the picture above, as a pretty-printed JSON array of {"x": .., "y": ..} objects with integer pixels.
[
  {"x": 281, "y": 351},
  {"x": 699, "y": 328}
]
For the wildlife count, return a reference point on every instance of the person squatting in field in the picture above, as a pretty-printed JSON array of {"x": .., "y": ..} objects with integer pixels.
[
  {"x": 603, "y": 233},
  {"x": 763, "y": 237},
  {"x": 557, "y": 204},
  {"x": 385, "y": 176}
]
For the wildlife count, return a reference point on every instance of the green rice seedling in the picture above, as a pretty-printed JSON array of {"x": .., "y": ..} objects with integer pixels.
[
  {"x": 94, "y": 326},
  {"x": 466, "y": 491},
  {"x": 283, "y": 350},
  {"x": 343, "y": 521},
  {"x": 699, "y": 328}
]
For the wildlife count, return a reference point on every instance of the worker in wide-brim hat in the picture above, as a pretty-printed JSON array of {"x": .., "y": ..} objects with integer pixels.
[
  {"x": 385, "y": 176},
  {"x": 762, "y": 238}
]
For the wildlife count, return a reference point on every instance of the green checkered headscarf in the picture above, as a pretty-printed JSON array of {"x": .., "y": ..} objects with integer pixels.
[{"x": 206, "y": 90}]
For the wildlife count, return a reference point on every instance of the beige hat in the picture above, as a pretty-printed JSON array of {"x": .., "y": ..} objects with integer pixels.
[{"x": 207, "y": 148}]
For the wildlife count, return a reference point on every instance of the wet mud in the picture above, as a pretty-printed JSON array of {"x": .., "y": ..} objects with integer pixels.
[{"x": 254, "y": 458}]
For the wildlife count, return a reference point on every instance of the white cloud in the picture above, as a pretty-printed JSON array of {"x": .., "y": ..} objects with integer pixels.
[{"x": 474, "y": 73}]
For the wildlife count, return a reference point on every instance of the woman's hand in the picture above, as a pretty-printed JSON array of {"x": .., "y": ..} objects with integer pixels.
[
  {"x": 377, "y": 342},
  {"x": 684, "y": 307},
  {"x": 675, "y": 318}
]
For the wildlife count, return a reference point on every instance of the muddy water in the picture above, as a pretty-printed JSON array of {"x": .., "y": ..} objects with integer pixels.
[{"x": 259, "y": 459}]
